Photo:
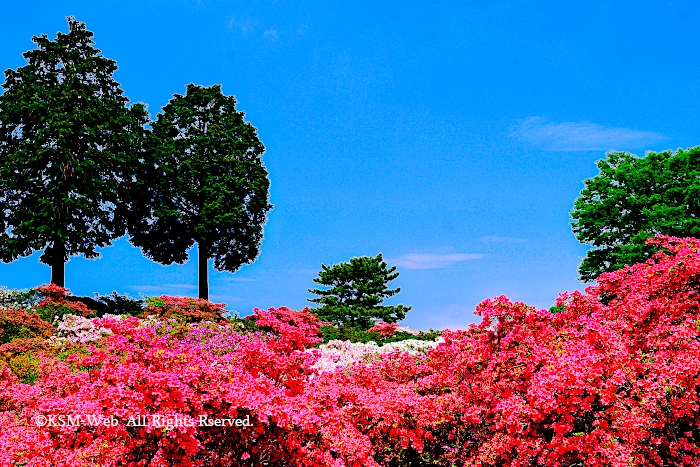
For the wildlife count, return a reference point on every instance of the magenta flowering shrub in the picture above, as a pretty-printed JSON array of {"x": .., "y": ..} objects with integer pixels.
[
  {"x": 139, "y": 373},
  {"x": 215, "y": 338},
  {"x": 612, "y": 380},
  {"x": 297, "y": 329}
]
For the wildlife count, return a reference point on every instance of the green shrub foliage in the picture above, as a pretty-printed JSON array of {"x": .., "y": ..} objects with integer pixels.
[
  {"x": 116, "y": 304},
  {"x": 355, "y": 334}
]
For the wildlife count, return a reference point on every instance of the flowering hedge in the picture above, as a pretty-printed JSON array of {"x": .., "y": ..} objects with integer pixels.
[
  {"x": 612, "y": 379},
  {"x": 384, "y": 329},
  {"x": 336, "y": 353},
  {"x": 79, "y": 330},
  {"x": 15, "y": 299},
  {"x": 21, "y": 324},
  {"x": 55, "y": 304},
  {"x": 184, "y": 309}
]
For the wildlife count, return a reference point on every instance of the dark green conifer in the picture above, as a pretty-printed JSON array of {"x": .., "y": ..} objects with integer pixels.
[
  {"x": 70, "y": 150},
  {"x": 208, "y": 185},
  {"x": 356, "y": 292}
]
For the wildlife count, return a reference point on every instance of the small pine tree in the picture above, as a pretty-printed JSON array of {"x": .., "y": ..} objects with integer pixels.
[{"x": 356, "y": 292}]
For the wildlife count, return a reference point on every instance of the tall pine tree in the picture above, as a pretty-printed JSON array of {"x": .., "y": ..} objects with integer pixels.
[
  {"x": 208, "y": 186},
  {"x": 356, "y": 291},
  {"x": 69, "y": 152}
]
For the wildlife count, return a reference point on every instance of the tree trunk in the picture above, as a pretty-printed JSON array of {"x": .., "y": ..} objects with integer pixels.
[
  {"x": 203, "y": 276},
  {"x": 58, "y": 264}
]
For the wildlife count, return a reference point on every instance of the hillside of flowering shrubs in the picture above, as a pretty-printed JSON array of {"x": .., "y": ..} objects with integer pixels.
[{"x": 611, "y": 379}]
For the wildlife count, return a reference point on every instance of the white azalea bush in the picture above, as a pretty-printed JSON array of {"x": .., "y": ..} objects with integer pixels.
[
  {"x": 408, "y": 330},
  {"x": 337, "y": 354},
  {"x": 80, "y": 330},
  {"x": 15, "y": 299}
]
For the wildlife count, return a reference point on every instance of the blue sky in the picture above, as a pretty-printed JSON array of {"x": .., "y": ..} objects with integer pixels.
[{"x": 451, "y": 137}]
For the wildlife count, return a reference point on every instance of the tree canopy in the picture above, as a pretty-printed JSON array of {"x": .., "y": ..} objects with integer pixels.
[
  {"x": 69, "y": 149},
  {"x": 632, "y": 199},
  {"x": 207, "y": 185},
  {"x": 356, "y": 292}
]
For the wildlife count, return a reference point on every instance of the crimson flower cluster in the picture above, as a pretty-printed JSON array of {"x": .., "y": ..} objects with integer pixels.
[{"x": 384, "y": 329}]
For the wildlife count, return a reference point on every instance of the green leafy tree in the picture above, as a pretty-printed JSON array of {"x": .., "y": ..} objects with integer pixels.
[
  {"x": 69, "y": 151},
  {"x": 208, "y": 185},
  {"x": 634, "y": 198},
  {"x": 356, "y": 292}
]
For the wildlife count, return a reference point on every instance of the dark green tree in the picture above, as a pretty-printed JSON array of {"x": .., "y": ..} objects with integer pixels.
[
  {"x": 356, "y": 292},
  {"x": 207, "y": 185},
  {"x": 69, "y": 152},
  {"x": 634, "y": 198}
]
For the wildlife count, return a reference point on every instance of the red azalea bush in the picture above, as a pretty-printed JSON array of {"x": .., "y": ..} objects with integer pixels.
[
  {"x": 612, "y": 380},
  {"x": 20, "y": 324},
  {"x": 55, "y": 304},
  {"x": 298, "y": 330},
  {"x": 22, "y": 355},
  {"x": 385, "y": 330}
]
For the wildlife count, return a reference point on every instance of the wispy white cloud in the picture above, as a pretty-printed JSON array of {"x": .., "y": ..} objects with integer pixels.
[
  {"x": 237, "y": 279},
  {"x": 163, "y": 288},
  {"x": 431, "y": 261},
  {"x": 495, "y": 239},
  {"x": 146, "y": 288},
  {"x": 272, "y": 32},
  {"x": 244, "y": 25},
  {"x": 581, "y": 136},
  {"x": 179, "y": 286}
]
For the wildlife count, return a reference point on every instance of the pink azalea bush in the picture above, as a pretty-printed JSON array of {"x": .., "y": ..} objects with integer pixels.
[{"x": 612, "y": 380}]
